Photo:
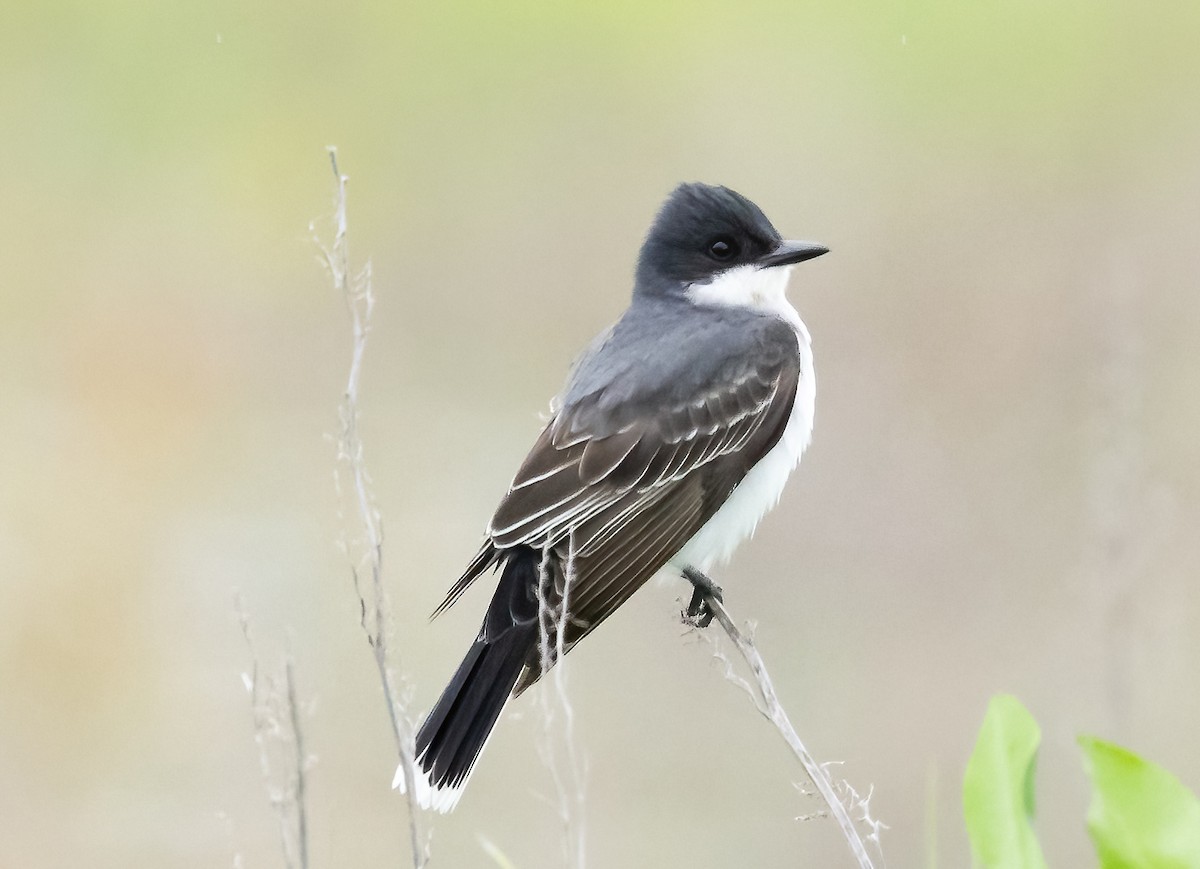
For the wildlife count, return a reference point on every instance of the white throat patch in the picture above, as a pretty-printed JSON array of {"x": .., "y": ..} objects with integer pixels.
[
  {"x": 745, "y": 286},
  {"x": 750, "y": 287}
]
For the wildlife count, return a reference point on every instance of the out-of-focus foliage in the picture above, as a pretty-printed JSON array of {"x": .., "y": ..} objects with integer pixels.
[
  {"x": 998, "y": 789},
  {"x": 1141, "y": 815}
]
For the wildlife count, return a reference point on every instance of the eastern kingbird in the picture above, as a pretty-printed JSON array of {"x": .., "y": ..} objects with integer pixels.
[{"x": 673, "y": 437}]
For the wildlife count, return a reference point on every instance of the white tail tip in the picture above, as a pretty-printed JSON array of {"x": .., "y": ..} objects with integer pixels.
[{"x": 440, "y": 799}]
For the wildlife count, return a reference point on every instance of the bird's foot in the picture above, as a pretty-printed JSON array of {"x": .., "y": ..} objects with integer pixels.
[{"x": 698, "y": 613}]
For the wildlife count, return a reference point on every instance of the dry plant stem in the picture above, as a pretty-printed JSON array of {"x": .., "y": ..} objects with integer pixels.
[
  {"x": 771, "y": 708},
  {"x": 358, "y": 293},
  {"x": 1123, "y": 519},
  {"x": 276, "y": 711},
  {"x": 569, "y": 784},
  {"x": 300, "y": 759}
]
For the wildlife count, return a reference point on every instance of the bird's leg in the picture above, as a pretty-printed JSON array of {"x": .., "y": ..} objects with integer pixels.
[{"x": 698, "y": 612}]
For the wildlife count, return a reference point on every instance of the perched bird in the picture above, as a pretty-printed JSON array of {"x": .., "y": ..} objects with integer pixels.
[{"x": 674, "y": 435}]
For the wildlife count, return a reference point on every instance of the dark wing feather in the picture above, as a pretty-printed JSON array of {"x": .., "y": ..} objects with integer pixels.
[{"x": 560, "y": 488}]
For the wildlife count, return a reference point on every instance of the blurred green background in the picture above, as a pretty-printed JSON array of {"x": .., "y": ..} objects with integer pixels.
[{"x": 1002, "y": 493}]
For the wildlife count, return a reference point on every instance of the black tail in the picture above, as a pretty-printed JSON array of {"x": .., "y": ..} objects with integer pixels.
[{"x": 450, "y": 740}]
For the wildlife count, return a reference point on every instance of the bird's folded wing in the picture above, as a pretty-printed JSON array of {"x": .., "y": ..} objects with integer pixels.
[
  {"x": 624, "y": 498},
  {"x": 574, "y": 473}
]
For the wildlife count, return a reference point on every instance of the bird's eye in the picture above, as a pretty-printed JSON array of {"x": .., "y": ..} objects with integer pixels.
[{"x": 722, "y": 248}]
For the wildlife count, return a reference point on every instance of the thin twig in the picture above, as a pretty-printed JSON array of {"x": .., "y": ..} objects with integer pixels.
[
  {"x": 301, "y": 760},
  {"x": 569, "y": 785},
  {"x": 1126, "y": 522},
  {"x": 771, "y": 709},
  {"x": 277, "y": 726},
  {"x": 358, "y": 293}
]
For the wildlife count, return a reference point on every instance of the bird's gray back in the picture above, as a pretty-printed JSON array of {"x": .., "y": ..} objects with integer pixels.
[{"x": 663, "y": 353}]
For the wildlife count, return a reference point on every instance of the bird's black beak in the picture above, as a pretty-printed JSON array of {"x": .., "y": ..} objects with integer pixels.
[{"x": 791, "y": 252}]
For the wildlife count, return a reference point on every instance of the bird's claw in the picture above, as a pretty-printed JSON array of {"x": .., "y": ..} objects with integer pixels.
[{"x": 698, "y": 613}]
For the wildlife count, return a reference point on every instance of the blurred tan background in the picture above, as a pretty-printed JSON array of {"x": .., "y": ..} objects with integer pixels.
[{"x": 1002, "y": 493}]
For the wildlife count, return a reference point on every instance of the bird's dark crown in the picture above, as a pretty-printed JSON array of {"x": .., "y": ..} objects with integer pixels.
[{"x": 700, "y": 231}]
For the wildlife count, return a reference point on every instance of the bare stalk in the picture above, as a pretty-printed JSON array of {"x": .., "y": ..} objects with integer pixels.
[
  {"x": 1125, "y": 522},
  {"x": 568, "y": 773},
  {"x": 365, "y": 549},
  {"x": 281, "y": 754},
  {"x": 299, "y": 759},
  {"x": 767, "y": 702}
]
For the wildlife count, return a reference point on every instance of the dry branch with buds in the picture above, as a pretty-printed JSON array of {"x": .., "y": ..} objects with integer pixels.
[{"x": 365, "y": 548}]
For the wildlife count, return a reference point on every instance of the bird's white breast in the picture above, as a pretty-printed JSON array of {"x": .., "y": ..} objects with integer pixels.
[{"x": 759, "y": 491}]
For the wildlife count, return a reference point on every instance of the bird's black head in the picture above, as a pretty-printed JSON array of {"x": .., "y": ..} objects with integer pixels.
[{"x": 702, "y": 231}]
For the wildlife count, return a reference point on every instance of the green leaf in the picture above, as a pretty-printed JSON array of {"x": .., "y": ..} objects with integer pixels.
[
  {"x": 998, "y": 788},
  {"x": 1141, "y": 815}
]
